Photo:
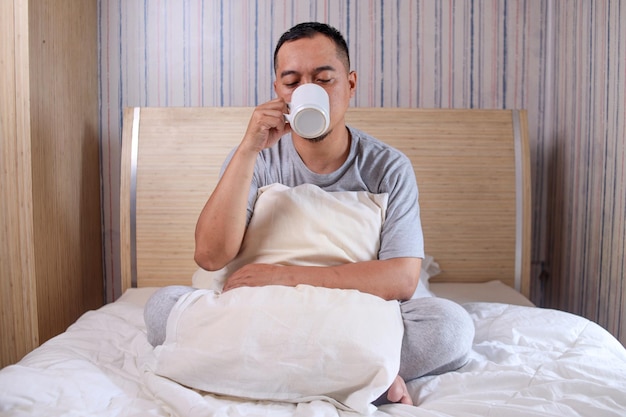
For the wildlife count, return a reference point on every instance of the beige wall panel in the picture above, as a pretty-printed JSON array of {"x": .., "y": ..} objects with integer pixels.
[
  {"x": 66, "y": 178},
  {"x": 18, "y": 321},
  {"x": 51, "y": 251}
]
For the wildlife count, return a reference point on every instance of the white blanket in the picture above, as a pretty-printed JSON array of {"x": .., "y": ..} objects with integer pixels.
[{"x": 525, "y": 362}]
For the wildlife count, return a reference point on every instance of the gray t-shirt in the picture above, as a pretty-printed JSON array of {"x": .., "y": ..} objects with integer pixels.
[{"x": 371, "y": 166}]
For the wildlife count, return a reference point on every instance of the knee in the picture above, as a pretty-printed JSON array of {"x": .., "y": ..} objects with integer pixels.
[
  {"x": 457, "y": 324},
  {"x": 457, "y": 332},
  {"x": 457, "y": 327},
  {"x": 450, "y": 317},
  {"x": 157, "y": 310},
  {"x": 438, "y": 337}
]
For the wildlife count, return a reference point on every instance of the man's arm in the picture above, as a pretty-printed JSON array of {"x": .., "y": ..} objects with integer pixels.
[
  {"x": 391, "y": 279},
  {"x": 222, "y": 222}
]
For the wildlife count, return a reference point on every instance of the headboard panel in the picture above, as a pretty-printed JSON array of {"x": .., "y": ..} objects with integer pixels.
[{"x": 472, "y": 168}]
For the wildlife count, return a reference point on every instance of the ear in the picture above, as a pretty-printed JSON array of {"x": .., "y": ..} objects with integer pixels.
[{"x": 352, "y": 81}]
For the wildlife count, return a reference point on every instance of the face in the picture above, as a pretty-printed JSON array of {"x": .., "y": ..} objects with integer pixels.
[{"x": 314, "y": 60}]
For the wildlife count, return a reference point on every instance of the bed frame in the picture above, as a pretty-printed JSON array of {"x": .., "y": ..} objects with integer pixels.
[{"x": 472, "y": 168}]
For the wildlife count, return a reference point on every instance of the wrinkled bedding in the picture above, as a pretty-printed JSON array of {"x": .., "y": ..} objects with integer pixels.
[{"x": 525, "y": 361}]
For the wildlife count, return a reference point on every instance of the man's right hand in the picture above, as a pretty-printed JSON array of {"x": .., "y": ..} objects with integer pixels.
[
  {"x": 267, "y": 125},
  {"x": 222, "y": 222}
]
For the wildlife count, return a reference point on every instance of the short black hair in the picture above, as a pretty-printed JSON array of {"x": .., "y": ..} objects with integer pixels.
[{"x": 309, "y": 30}]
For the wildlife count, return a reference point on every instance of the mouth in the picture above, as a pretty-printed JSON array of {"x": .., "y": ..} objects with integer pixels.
[{"x": 318, "y": 138}]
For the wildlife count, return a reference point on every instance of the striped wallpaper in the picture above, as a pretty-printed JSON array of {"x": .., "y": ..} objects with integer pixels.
[
  {"x": 565, "y": 62},
  {"x": 584, "y": 162}
]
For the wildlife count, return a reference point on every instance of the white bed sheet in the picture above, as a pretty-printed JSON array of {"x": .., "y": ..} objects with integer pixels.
[{"x": 525, "y": 361}]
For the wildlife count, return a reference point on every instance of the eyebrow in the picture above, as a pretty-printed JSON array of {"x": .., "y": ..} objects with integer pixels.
[{"x": 316, "y": 71}]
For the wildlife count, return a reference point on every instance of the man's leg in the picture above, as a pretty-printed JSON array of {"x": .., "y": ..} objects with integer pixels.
[
  {"x": 438, "y": 336},
  {"x": 158, "y": 309}
]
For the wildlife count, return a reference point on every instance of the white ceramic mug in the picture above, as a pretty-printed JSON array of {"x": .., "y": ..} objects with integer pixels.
[{"x": 309, "y": 111}]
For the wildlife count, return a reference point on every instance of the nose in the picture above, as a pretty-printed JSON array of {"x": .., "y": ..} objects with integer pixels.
[{"x": 307, "y": 80}]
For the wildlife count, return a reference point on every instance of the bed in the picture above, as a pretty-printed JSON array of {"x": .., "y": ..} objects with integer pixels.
[{"x": 473, "y": 170}]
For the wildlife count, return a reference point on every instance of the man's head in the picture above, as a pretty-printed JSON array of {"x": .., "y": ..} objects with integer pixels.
[
  {"x": 316, "y": 53},
  {"x": 311, "y": 29}
]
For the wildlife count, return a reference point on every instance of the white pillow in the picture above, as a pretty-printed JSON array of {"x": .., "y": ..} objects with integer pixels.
[
  {"x": 306, "y": 226},
  {"x": 345, "y": 227},
  {"x": 284, "y": 343}
]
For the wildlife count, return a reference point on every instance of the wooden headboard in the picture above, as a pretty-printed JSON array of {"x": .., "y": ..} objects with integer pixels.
[{"x": 472, "y": 168}]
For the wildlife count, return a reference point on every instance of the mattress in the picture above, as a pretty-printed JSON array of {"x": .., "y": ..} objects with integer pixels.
[
  {"x": 525, "y": 361},
  {"x": 490, "y": 291}
]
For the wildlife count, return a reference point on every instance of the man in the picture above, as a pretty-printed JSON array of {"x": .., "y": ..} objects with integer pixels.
[
  {"x": 438, "y": 333},
  {"x": 317, "y": 53}
]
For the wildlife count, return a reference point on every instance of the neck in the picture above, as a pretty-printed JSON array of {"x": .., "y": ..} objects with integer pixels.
[{"x": 327, "y": 155}]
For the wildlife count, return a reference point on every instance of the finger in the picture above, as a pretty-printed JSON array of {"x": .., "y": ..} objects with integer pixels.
[{"x": 230, "y": 286}]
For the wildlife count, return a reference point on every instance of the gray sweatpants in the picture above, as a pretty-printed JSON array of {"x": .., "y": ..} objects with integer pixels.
[{"x": 438, "y": 333}]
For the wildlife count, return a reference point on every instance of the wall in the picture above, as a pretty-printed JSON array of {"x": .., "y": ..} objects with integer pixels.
[
  {"x": 448, "y": 53},
  {"x": 50, "y": 188},
  {"x": 18, "y": 287},
  {"x": 64, "y": 149},
  {"x": 584, "y": 163}
]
